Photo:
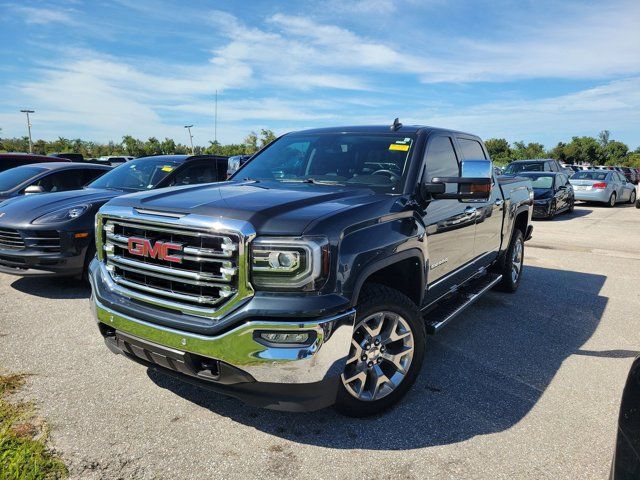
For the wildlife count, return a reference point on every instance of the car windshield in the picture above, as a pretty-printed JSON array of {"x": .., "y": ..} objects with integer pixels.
[
  {"x": 524, "y": 167},
  {"x": 137, "y": 175},
  {"x": 375, "y": 160},
  {"x": 541, "y": 181},
  {"x": 589, "y": 176},
  {"x": 16, "y": 176}
]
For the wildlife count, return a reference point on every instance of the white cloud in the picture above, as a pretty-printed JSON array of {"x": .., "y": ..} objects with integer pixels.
[{"x": 43, "y": 16}]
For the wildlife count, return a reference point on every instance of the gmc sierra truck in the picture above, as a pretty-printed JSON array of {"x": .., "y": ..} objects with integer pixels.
[{"x": 314, "y": 275}]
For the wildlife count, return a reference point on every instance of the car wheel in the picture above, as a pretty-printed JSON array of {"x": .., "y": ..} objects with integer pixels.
[
  {"x": 552, "y": 209},
  {"x": 612, "y": 200},
  {"x": 511, "y": 265},
  {"x": 572, "y": 205},
  {"x": 91, "y": 252},
  {"x": 387, "y": 349},
  {"x": 632, "y": 197}
]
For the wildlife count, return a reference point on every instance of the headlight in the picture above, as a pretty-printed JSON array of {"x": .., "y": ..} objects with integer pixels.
[
  {"x": 62, "y": 215},
  {"x": 542, "y": 202},
  {"x": 289, "y": 263}
]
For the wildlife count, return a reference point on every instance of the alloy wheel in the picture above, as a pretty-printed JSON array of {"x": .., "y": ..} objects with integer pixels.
[
  {"x": 381, "y": 353},
  {"x": 516, "y": 261}
]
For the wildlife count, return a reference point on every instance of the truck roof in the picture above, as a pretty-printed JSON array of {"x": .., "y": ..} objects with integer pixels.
[{"x": 378, "y": 129}]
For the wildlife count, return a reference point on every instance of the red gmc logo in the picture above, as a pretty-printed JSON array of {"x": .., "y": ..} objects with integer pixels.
[{"x": 143, "y": 247}]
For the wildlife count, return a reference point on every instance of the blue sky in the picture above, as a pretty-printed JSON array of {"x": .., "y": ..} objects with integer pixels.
[{"x": 524, "y": 70}]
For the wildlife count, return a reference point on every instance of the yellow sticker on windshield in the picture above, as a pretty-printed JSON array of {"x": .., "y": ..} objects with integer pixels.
[
  {"x": 401, "y": 148},
  {"x": 167, "y": 168}
]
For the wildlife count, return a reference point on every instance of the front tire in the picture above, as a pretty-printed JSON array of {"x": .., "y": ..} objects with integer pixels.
[
  {"x": 572, "y": 206},
  {"x": 552, "y": 210},
  {"x": 511, "y": 265},
  {"x": 387, "y": 350}
]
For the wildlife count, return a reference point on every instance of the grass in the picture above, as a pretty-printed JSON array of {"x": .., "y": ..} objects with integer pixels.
[{"x": 23, "y": 451}]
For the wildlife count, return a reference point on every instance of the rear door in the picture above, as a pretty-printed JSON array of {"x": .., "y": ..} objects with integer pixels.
[
  {"x": 450, "y": 224},
  {"x": 489, "y": 213}
]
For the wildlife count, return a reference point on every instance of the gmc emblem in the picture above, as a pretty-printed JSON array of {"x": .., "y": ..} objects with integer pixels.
[{"x": 143, "y": 247}]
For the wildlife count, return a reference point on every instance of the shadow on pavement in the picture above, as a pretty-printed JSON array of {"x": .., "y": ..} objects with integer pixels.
[
  {"x": 54, "y": 288},
  {"x": 577, "y": 213},
  {"x": 482, "y": 375}
]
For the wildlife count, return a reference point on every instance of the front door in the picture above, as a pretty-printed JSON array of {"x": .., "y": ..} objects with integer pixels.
[
  {"x": 450, "y": 224},
  {"x": 489, "y": 213}
]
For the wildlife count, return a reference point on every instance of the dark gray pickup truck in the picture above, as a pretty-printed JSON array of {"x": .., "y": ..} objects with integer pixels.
[{"x": 315, "y": 275}]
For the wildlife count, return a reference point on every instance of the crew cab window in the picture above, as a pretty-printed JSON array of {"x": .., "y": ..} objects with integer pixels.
[
  {"x": 196, "y": 173},
  {"x": 471, "y": 149},
  {"x": 60, "y": 181},
  {"x": 442, "y": 161}
]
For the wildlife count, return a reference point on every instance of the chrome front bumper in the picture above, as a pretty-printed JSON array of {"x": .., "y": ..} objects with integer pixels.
[{"x": 324, "y": 358}]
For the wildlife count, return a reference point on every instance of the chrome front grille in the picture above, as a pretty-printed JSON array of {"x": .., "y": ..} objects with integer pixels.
[
  {"x": 205, "y": 277},
  {"x": 11, "y": 239}
]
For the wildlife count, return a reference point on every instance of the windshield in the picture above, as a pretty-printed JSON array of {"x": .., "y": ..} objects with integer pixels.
[
  {"x": 375, "y": 160},
  {"x": 524, "y": 167},
  {"x": 137, "y": 175},
  {"x": 16, "y": 176},
  {"x": 589, "y": 176}
]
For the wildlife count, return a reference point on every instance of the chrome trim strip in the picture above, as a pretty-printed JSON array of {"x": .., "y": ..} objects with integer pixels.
[
  {"x": 173, "y": 272},
  {"x": 168, "y": 293},
  {"x": 198, "y": 283}
]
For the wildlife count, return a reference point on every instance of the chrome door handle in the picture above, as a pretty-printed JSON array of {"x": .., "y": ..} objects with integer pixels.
[
  {"x": 470, "y": 211},
  {"x": 499, "y": 202}
]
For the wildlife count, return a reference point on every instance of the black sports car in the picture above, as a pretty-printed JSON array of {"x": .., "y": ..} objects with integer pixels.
[{"x": 53, "y": 234}]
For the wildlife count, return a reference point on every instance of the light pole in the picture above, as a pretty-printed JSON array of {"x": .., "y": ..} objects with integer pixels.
[
  {"x": 188, "y": 127},
  {"x": 29, "y": 127}
]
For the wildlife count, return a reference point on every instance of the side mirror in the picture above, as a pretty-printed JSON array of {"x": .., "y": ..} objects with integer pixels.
[
  {"x": 474, "y": 183},
  {"x": 33, "y": 189}
]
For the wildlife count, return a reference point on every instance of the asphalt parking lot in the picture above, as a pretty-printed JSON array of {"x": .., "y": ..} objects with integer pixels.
[{"x": 521, "y": 386}]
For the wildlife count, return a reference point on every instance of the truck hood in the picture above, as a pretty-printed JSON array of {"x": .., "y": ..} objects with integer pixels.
[
  {"x": 26, "y": 208},
  {"x": 272, "y": 208}
]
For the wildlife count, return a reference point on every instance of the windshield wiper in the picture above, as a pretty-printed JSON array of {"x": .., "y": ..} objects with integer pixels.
[{"x": 310, "y": 180}]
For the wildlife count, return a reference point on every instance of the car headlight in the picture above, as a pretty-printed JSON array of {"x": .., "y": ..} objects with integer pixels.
[
  {"x": 289, "y": 263},
  {"x": 62, "y": 215},
  {"x": 542, "y": 202}
]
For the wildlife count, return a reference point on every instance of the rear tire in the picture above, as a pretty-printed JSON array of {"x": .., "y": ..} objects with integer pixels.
[
  {"x": 512, "y": 263},
  {"x": 632, "y": 197},
  {"x": 612, "y": 200},
  {"x": 387, "y": 350}
]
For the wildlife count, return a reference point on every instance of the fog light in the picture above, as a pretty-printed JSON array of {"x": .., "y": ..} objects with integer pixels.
[{"x": 286, "y": 338}]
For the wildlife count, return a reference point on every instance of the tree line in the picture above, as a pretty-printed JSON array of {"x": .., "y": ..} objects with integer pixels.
[
  {"x": 136, "y": 147},
  {"x": 596, "y": 151}
]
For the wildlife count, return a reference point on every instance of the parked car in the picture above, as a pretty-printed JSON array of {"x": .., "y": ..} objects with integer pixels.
[
  {"x": 235, "y": 162},
  {"x": 115, "y": 160},
  {"x": 12, "y": 160},
  {"x": 53, "y": 234},
  {"x": 552, "y": 193},
  {"x": 533, "y": 165},
  {"x": 603, "y": 186},
  {"x": 626, "y": 457},
  {"x": 303, "y": 281},
  {"x": 47, "y": 177},
  {"x": 74, "y": 157},
  {"x": 630, "y": 174}
]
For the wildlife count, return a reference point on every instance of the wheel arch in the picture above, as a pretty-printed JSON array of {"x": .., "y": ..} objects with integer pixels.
[{"x": 403, "y": 271}]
